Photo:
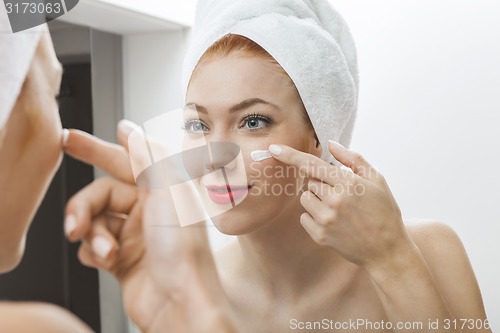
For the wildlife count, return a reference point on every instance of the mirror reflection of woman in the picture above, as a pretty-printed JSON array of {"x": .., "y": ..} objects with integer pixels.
[{"x": 335, "y": 247}]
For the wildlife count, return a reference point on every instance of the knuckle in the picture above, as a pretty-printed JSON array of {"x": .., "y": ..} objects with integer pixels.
[
  {"x": 352, "y": 181},
  {"x": 332, "y": 216},
  {"x": 337, "y": 203},
  {"x": 72, "y": 203},
  {"x": 314, "y": 187},
  {"x": 287, "y": 155},
  {"x": 357, "y": 157},
  {"x": 303, "y": 166},
  {"x": 322, "y": 237},
  {"x": 324, "y": 218},
  {"x": 321, "y": 191},
  {"x": 330, "y": 201},
  {"x": 303, "y": 218},
  {"x": 84, "y": 256},
  {"x": 313, "y": 167},
  {"x": 328, "y": 217},
  {"x": 304, "y": 198},
  {"x": 103, "y": 181}
]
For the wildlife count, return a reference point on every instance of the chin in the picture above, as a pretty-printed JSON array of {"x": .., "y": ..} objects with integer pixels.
[
  {"x": 11, "y": 256},
  {"x": 237, "y": 223}
]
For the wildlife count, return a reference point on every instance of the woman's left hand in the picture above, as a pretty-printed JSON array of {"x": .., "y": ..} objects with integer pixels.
[{"x": 354, "y": 212}]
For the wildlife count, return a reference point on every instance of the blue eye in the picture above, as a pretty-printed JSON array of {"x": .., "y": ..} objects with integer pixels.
[
  {"x": 255, "y": 122},
  {"x": 194, "y": 126}
]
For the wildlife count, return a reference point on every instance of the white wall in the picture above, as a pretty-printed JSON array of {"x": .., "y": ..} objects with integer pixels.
[
  {"x": 429, "y": 115},
  {"x": 152, "y": 65}
]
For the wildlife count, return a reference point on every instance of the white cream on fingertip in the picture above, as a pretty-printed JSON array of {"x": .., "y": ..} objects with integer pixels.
[{"x": 260, "y": 155}]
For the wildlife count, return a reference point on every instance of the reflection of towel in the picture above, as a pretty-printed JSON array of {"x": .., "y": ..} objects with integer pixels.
[
  {"x": 16, "y": 52},
  {"x": 308, "y": 38}
]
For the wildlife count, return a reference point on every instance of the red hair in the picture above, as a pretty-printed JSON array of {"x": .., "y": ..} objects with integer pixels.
[{"x": 244, "y": 46}]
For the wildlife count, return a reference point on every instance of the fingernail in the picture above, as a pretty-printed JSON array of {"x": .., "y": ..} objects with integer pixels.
[
  {"x": 65, "y": 136},
  {"x": 69, "y": 225},
  {"x": 335, "y": 143},
  {"x": 126, "y": 126},
  {"x": 275, "y": 150},
  {"x": 101, "y": 246}
]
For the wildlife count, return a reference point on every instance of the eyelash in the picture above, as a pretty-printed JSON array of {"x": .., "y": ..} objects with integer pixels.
[
  {"x": 265, "y": 119},
  {"x": 190, "y": 122},
  {"x": 187, "y": 125}
]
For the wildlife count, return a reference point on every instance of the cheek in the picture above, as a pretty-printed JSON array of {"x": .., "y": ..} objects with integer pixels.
[
  {"x": 193, "y": 141},
  {"x": 270, "y": 172},
  {"x": 256, "y": 170},
  {"x": 273, "y": 179},
  {"x": 249, "y": 146}
]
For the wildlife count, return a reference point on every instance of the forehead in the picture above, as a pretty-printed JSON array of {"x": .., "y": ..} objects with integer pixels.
[{"x": 237, "y": 77}]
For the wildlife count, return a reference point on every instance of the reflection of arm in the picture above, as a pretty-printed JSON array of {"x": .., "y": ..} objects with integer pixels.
[
  {"x": 167, "y": 273},
  {"x": 38, "y": 317},
  {"x": 434, "y": 283}
]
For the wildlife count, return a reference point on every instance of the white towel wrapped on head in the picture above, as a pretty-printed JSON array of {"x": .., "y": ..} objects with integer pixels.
[
  {"x": 308, "y": 38},
  {"x": 16, "y": 53}
]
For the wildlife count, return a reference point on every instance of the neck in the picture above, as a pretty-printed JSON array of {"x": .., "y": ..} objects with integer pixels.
[{"x": 282, "y": 257}]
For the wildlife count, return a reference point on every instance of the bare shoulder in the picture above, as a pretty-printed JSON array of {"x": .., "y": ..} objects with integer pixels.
[
  {"x": 449, "y": 264},
  {"x": 432, "y": 235},
  {"x": 38, "y": 317},
  {"x": 441, "y": 248}
]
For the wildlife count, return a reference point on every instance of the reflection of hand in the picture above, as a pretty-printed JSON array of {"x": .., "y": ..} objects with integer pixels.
[
  {"x": 167, "y": 274},
  {"x": 352, "y": 212}
]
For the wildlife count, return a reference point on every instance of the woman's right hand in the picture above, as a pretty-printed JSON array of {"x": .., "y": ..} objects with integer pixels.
[{"x": 168, "y": 276}]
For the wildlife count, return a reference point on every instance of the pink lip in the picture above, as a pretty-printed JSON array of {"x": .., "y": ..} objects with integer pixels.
[{"x": 224, "y": 194}]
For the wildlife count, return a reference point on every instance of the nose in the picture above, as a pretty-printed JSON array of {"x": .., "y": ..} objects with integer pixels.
[
  {"x": 220, "y": 155},
  {"x": 206, "y": 159}
]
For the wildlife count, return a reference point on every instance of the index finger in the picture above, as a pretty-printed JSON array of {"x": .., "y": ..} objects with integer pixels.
[
  {"x": 309, "y": 164},
  {"x": 101, "y": 196},
  {"x": 109, "y": 157}
]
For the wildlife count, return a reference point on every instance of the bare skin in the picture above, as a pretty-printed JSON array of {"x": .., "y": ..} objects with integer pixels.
[
  {"x": 29, "y": 157},
  {"x": 308, "y": 256},
  {"x": 167, "y": 275},
  {"x": 381, "y": 269},
  {"x": 38, "y": 317},
  {"x": 34, "y": 126}
]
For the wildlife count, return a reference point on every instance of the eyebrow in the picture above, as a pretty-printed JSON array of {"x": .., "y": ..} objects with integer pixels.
[{"x": 238, "y": 107}]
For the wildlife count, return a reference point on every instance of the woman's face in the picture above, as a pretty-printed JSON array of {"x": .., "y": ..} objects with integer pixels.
[
  {"x": 30, "y": 153},
  {"x": 247, "y": 102}
]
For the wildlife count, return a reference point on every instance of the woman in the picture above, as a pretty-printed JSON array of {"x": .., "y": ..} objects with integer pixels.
[
  {"x": 331, "y": 251},
  {"x": 30, "y": 153}
]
